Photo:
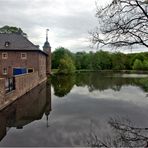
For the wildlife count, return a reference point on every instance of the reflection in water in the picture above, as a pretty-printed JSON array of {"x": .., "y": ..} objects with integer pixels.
[
  {"x": 27, "y": 109},
  {"x": 124, "y": 134},
  {"x": 63, "y": 84},
  {"x": 87, "y": 97}
]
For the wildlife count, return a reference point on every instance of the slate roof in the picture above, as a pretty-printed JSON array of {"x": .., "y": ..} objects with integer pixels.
[{"x": 17, "y": 42}]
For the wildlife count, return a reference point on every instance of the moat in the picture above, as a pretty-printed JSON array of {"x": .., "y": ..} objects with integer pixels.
[{"x": 74, "y": 110}]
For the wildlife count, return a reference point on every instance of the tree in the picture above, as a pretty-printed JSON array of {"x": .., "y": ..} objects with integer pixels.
[
  {"x": 101, "y": 60},
  {"x": 58, "y": 54},
  {"x": 83, "y": 60},
  {"x": 118, "y": 61},
  {"x": 139, "y": 56},
  {"x": 145, "y": 64},
  {"x": 122, "y": 23},
  {"x": 66, "y": 65},
  {"x": 12, "y": 29},
  {"x": 138, "y": 65}
]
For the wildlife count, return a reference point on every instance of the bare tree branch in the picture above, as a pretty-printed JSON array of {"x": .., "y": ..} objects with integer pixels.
[{"x": 122, "y": 23}]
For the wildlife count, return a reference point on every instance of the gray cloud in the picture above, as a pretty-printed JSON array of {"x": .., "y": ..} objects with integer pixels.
[{"x": 69, "y": 21}]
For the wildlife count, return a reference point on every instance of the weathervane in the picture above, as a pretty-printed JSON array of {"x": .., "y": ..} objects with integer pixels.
[{"x": 47, "y": 34}]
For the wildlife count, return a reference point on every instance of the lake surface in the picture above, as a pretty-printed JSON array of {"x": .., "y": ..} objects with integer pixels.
[{"x": 87, "y": 109}]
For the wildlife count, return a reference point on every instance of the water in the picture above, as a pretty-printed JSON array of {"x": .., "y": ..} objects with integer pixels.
[{"x": 78, "y": 110}]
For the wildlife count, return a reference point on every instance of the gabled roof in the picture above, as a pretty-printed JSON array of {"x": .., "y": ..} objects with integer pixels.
[{"x": 16, "y": 42}]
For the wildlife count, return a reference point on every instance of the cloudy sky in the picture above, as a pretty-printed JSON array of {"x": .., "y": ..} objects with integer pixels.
[{"x": 69, "y": 21}]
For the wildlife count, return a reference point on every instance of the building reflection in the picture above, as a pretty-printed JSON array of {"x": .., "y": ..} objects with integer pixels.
[{"x": 30, "y": 107}]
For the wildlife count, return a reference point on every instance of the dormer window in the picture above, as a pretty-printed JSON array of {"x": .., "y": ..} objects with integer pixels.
[{"x": 7, "y": 44}]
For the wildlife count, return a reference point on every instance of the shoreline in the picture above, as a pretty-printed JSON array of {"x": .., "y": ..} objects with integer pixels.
[{"x": 54, "y": 72}]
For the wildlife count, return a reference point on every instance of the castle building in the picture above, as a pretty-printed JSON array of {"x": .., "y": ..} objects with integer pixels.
[{"x": 20, "y": 56}]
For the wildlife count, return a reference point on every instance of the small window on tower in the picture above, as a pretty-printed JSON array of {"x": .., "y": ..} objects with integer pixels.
[{"x": 23, "y": 55}]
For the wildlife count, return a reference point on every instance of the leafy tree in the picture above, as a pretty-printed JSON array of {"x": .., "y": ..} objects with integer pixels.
[
  {"x": 127, "y": 61},
  {"x": 139, "y": 56},
  {"x": 122, "y": 23},
  {"x": 118, "y": 61},
  {"x": 66, "y": 65},
  {"x": 83, "y": 60},
  {"x": 145, "y": 64},
  {"x": 101, "y": 60},
  {"x": 137, "y": 65},
  {"x": 58, "y": 54},
  {"x": 12, "y": 29}
]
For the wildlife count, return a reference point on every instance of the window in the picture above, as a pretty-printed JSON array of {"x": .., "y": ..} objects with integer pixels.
[
  {"x": 23, "y": 56},
  {"x": 30, "y": 70},
  {"x": 7, "y": 44},
  {"x": 4, "y": 55},
  {"x": 4, "y": 71}
]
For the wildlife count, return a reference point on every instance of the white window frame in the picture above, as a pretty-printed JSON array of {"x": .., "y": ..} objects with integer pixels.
[
  {"x": 5, "y": 71},
  {"x": 23, "y": 57},
  {"x": 4, "y": 57}
]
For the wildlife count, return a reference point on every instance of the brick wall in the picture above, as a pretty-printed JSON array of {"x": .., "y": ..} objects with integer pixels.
[
  {"x": 2, "y": 90},
  {"x": 23, "y": 84},
  {"x": 42, "y": 66},
  {"x": 14, "y": 60}
]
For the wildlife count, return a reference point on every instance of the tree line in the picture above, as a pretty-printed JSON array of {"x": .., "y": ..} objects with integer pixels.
[{"x": 66, "y": 61}]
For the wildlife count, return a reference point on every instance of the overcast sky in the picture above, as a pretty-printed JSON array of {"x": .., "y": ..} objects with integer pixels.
[{"x": 69, "y": 21}]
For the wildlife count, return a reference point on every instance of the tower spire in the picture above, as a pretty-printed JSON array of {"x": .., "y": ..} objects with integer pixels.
[
  {"x": 47, "y": 50},
  {"x": 47, "y": 35}
]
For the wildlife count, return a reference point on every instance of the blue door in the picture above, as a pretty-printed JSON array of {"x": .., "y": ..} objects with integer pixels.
[{"x": 19, "y": 71}]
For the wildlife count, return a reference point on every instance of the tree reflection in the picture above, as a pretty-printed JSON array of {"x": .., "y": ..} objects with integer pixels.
[
  {"x": 143, "y": 83},
  {"x": 124, "y": 134},
  {"x": 62, "y": 84}
]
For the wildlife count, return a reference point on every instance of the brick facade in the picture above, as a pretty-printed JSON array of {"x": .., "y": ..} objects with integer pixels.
[
  {"x": 21, "y": 56},
  {"x": 34, "y": 60}
]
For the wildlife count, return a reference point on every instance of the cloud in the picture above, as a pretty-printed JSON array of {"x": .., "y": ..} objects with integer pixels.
[{"x": 68, "y": 21}]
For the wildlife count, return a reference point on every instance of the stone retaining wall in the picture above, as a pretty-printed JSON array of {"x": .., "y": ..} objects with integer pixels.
[{"x": 23, "y": 84}]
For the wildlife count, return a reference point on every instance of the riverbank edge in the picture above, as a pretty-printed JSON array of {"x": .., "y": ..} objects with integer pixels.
[
  {"x": 117, "y": 71},
  {"x": 54, "y": 72}
]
